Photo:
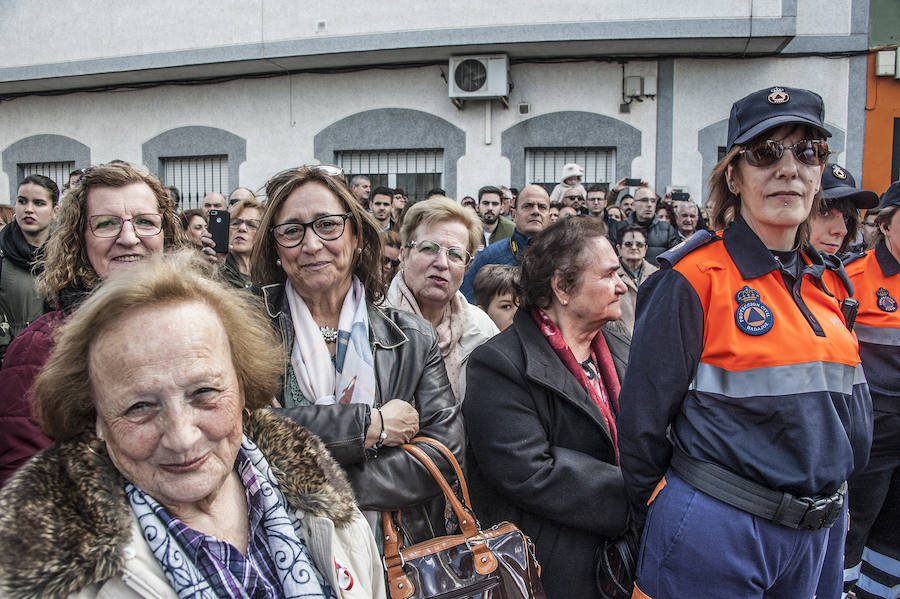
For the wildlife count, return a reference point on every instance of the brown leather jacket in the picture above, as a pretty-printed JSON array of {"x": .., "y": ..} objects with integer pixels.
[{"x": 408, "y": 366}]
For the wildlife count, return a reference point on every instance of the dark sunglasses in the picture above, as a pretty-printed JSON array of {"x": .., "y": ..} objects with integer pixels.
[
  {"x": 394, "y": 263},
  {"x": 812, "y": 152},
  {"x": 634, "y": 244},
  {"x": 573, "y": 198}
]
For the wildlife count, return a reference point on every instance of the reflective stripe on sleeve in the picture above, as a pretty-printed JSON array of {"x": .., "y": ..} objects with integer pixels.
[
  {"x": 792, "y": 379},
  {"x": 877, "y": 335}
]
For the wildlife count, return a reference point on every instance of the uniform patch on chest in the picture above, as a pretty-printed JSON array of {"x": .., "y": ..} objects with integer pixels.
[
  {"x": 752, "y": 316},
  {"x": 885, "y": 302}
]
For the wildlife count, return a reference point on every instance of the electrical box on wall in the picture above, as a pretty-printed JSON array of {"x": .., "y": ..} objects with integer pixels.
[
  {"x": 886, "y": 63},
  {"x": 479, "y": 76}
]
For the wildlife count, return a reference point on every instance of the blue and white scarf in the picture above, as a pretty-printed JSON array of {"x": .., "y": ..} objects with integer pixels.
[
  {"x": 294, "y": 567},
  {"x": 351, "y": 377}
]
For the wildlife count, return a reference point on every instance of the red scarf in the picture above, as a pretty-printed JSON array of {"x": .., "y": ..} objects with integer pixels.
[{"x": 608, "y": 379}]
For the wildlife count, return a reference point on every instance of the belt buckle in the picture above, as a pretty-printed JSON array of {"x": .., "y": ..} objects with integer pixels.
[{"x": 821, "y": 512}]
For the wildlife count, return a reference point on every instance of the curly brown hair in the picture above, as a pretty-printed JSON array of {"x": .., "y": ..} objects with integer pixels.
[
  {"x": 64, "y": 394},
  {"x": 265, "y": 270},
  {"x": 64, "y": 261}
]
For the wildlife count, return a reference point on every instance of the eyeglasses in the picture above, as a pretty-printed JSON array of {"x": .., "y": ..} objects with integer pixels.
[
  {"x": 252, "y": 223},
  {"x": 574, "y": 198},
  {"x": 455, "y": 255},
  {"x": 872, "y": 225},
  {"x": 107, "y": 225},
  {"x": 634, "y": 244},
  {"x": 394, "y": 263},
  {"x": 812, "y": 152},
  {"x": 327, "y": 228}
]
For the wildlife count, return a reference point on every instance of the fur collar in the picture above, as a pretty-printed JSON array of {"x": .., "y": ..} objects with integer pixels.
[{"x": 64, "y": 517}]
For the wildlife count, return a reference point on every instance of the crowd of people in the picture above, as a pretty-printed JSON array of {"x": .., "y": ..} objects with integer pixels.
[{"x": 710, "y": 391}]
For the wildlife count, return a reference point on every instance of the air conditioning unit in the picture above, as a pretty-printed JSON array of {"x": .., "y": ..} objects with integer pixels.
[{"x": 479, "y": 76}]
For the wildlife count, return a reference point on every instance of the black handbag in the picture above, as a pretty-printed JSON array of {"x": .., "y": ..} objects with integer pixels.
[{"x": 497, "y": 563}]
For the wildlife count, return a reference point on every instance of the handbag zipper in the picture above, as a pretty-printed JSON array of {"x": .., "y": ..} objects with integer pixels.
[{"x": 470, "y": 590}]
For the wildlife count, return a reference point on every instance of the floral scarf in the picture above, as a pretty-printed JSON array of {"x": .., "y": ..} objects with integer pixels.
[{"x": 606, "y": 393}]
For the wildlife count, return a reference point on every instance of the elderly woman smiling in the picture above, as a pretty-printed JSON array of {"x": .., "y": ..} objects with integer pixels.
[
  {"x": 365, "y": 379},
  {"x": 163, "y": 479},
  {"x": 439, "y": 238}
]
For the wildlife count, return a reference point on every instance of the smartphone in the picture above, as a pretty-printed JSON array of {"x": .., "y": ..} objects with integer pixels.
[
  {"x": 632, "y": 182},
  {"x": 680, "y": 196},
  {"x": 219, "y": 227}
]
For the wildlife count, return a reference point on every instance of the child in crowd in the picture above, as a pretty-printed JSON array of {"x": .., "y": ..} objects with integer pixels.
[
  {"x": 496, "y": 292},
  {"x": 571, "y": 177}
]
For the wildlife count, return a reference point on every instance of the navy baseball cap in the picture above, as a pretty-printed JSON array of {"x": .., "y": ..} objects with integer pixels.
[
  {"x": 769, "y": 108},
  {"x": 839, "y": 184},
  {"x": 892, "y": 196}
]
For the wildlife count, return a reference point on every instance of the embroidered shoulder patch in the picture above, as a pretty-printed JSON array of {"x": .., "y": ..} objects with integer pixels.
[
  {"x": 752, "y": 316},
  {"x": 885, "y": 302}
]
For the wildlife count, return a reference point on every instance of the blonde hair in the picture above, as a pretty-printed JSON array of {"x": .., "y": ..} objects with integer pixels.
[
  {"x": 63, "y": 392},
  {"x": 438, "y": 209},
  {"x": 64, "y": 261},
  {"x": 241, "y": 205},
  {"x": 265, "y": 270}
]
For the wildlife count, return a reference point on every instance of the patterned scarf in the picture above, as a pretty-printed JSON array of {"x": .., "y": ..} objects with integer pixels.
[
  {"x": 608, "y": 381},
  {"x": 351, "y": 377},
  {"x": 449, "y": 329},
  {"x": 293, "y": 565}
]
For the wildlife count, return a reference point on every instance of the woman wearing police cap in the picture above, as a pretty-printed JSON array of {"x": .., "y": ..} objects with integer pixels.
[
  {"x": 756, "y": 411},
  {"x": 875, "y": 494},
  {"x": 833, "y": 227}
]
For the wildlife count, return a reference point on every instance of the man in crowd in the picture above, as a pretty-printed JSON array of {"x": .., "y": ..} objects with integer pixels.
[
  {"x": 626, "y": 203},
  {"x": 493, "y": 225},
  {"x": 660, "y": 235},
  {"x": 870, "y": 229},
  {"x": 380, "y": 206},
  {"x": 506, "y": 201},
  {"x": 633, "y": 269},
  {"x": 240, "y": 193},
  {"x": 469, "y": 202},
  {"x": 360, "y": 185},
  {"x": 213, "y": 201},
  {"x": 687, "y": 215},
  {"x": 596, "y": 200},
  {"x": 574, "y": 197},
  {"x": 532, "y": 215}
]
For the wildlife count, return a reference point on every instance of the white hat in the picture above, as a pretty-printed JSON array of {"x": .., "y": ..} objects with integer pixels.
[{"x": 571, "y": 170}]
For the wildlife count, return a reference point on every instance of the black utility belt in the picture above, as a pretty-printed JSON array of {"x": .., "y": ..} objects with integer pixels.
[{"x": 804, "y": 513}]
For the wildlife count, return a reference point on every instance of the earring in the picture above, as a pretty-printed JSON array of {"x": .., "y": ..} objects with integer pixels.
[
  {"x": 278, "y": 261},
  {"x": 565, "y": 302}
]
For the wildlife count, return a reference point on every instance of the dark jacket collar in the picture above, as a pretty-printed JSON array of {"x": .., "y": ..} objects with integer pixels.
[
  {"x": 544, "y": 367},
  {"x": 67, "y": 513},
  {"x": 753, "y": 259},
  {"x": 15, "y": 248},
  {"x": 887, "y": 262}
]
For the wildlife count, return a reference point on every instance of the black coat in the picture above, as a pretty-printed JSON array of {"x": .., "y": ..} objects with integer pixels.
[{"x": 540, "y": 455}]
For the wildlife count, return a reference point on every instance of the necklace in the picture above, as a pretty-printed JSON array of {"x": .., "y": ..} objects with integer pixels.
[{"x": 329, "y": 334}]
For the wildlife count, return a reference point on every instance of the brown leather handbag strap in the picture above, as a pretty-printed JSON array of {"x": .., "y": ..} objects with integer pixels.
[
  {"x": 448, "y": 455},
  {"x": 485, "y": 561}
]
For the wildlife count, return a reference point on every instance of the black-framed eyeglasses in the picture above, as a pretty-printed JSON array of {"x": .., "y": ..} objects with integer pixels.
[
  {"x": 811, "y": 152},
  {"x": 327, "y": 228},
  {"x": 252, "y": 223},
  {"x": 634, "y": 244},
  {"x": 455, "y": 255},
  {"x": 393, "y": 262},
  {"x": 108, "y": 225}
]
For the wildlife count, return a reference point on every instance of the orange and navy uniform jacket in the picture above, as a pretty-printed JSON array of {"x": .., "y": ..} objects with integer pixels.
[
  {"x": 877, "y": 287},
  {"x": 743, "y": 366}
]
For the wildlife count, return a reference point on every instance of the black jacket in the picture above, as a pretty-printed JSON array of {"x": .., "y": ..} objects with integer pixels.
[
  {"x": 540, "y": 455},
  {"x": 408, "y": 366},
  {"x": 20, "y": 302}
]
